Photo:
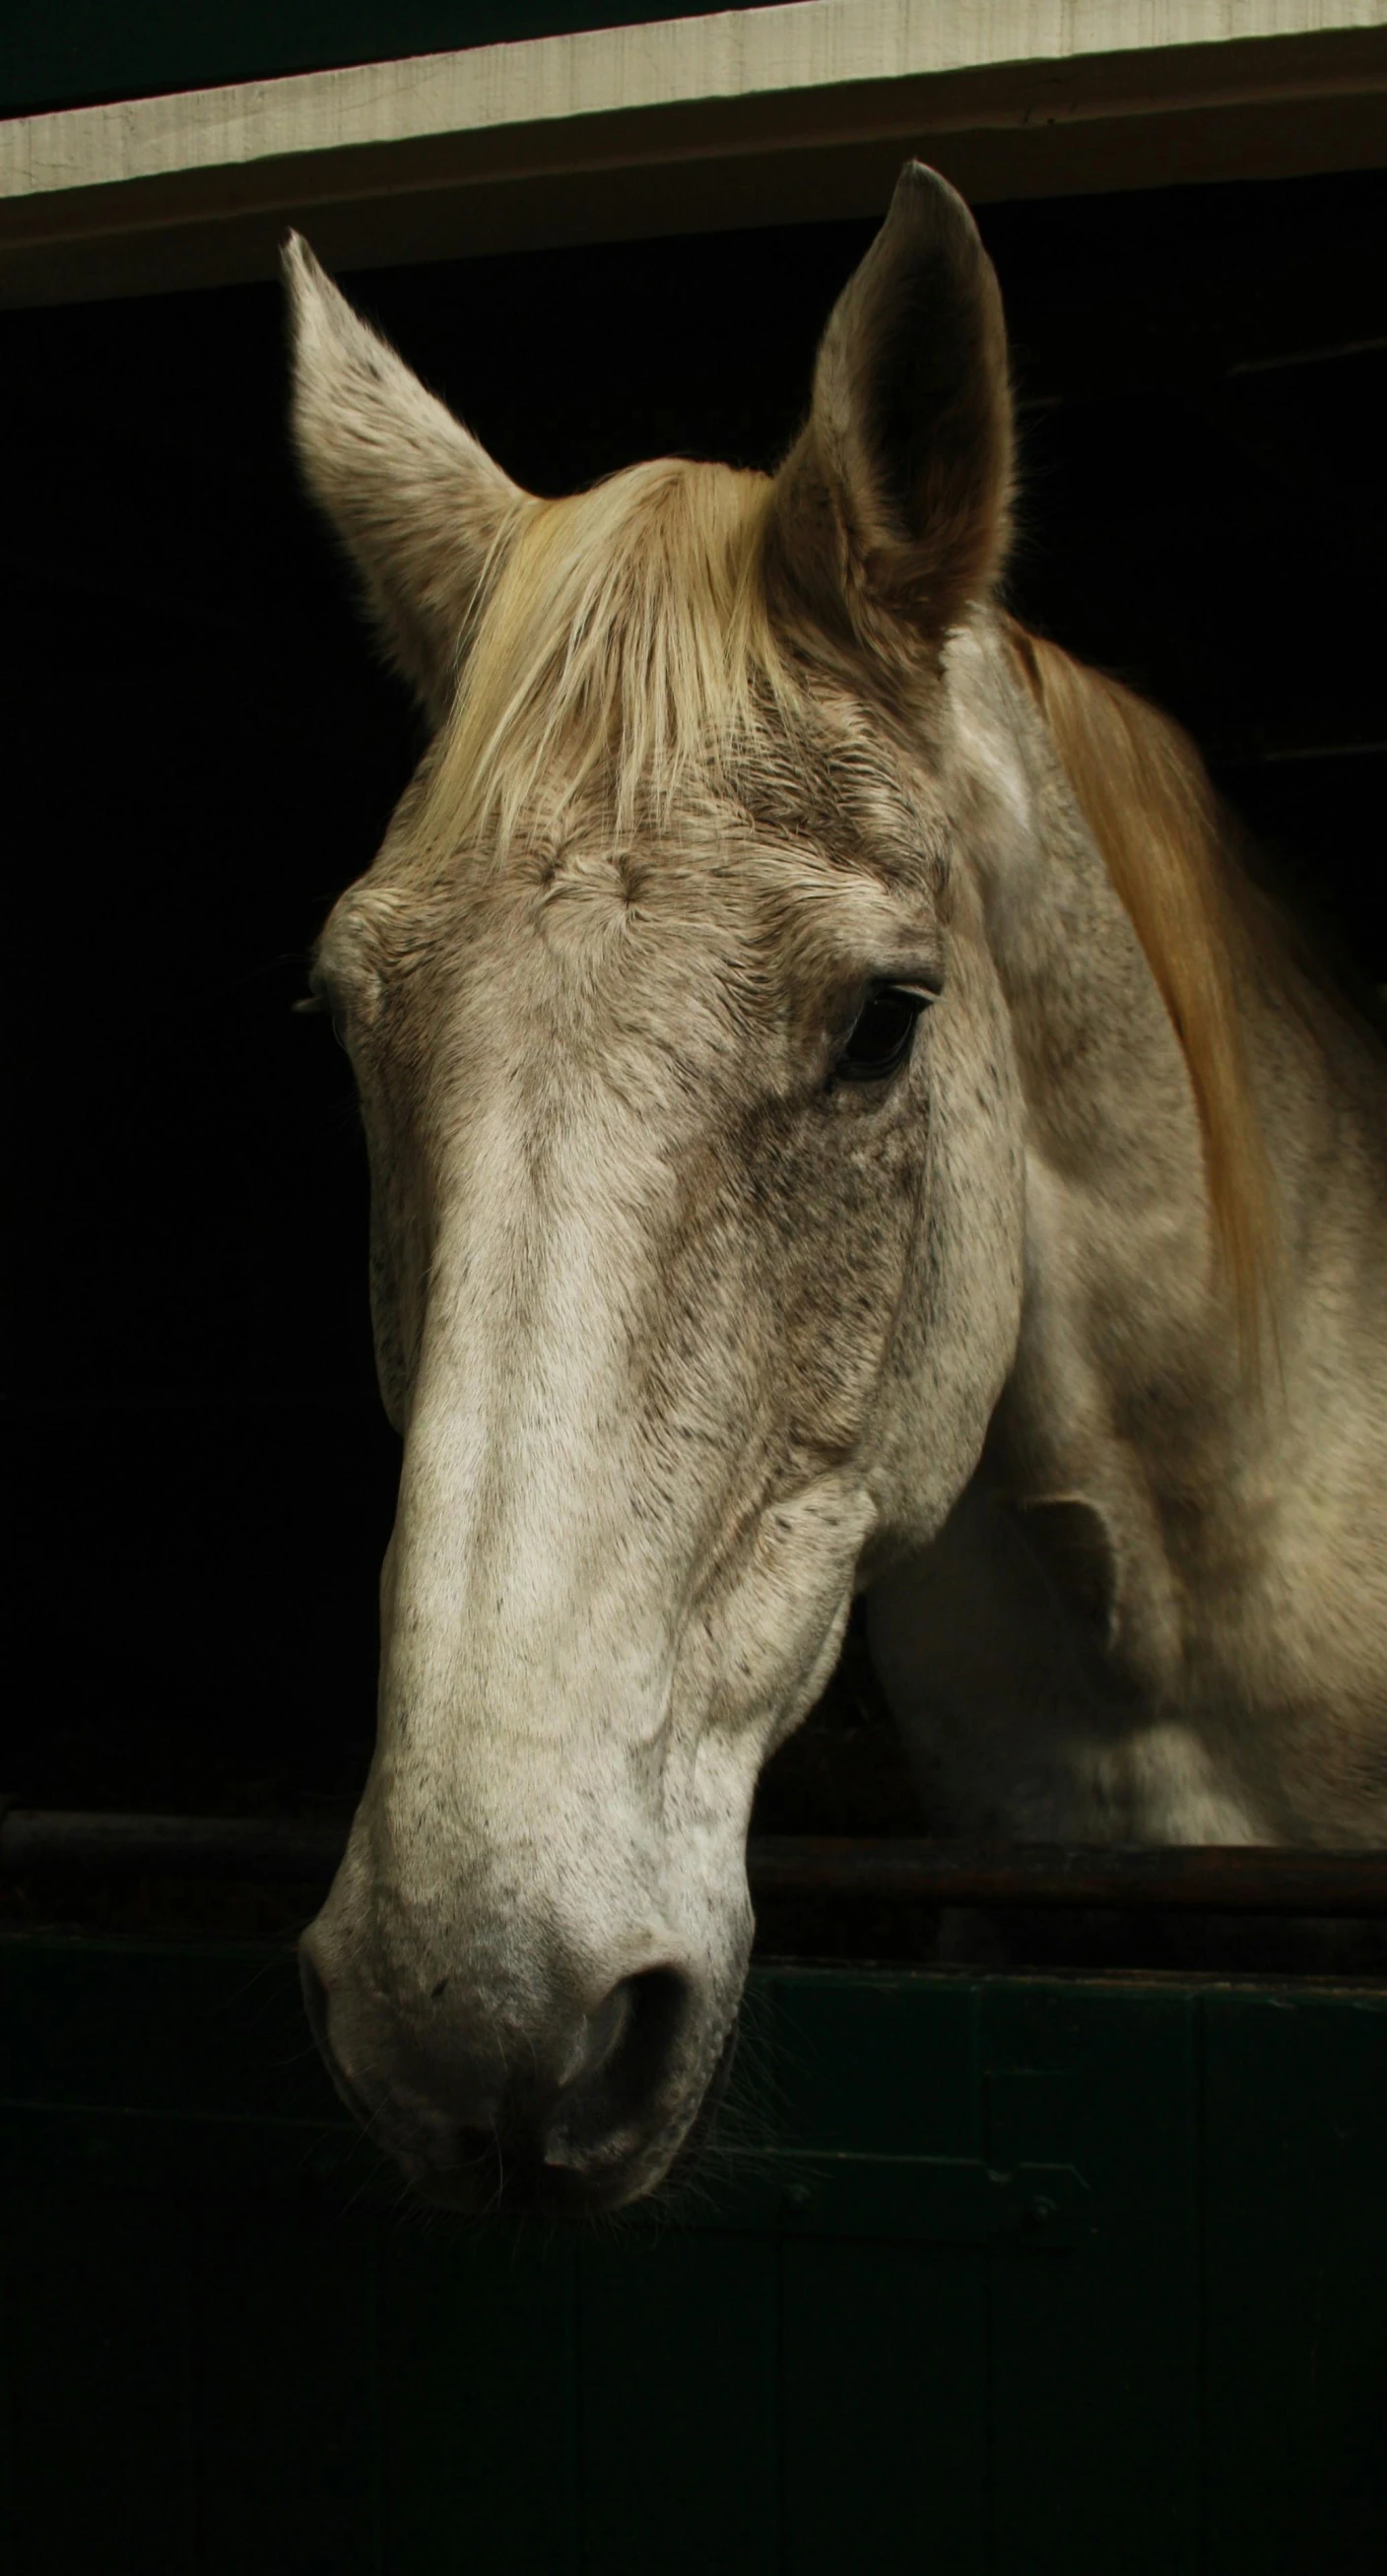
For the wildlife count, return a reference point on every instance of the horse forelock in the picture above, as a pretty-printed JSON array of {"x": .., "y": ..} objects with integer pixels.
[{"x": 621, "y": 645}]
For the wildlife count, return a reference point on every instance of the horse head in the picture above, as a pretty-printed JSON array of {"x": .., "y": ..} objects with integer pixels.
[{"x": 695, "y": 1150}]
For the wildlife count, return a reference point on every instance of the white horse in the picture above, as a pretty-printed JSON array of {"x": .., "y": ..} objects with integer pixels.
[{"x": 836, "y": 1120}]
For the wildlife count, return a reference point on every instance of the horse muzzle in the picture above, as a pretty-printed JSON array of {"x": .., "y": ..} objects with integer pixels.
[{"x": 577, "y": 2113}]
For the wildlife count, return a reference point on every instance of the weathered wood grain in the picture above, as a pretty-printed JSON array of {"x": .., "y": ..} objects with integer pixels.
[{"x": 682, "y": 124}]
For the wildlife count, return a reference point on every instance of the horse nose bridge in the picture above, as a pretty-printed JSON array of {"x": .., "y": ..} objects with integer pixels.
[
  {"x": 546, "y": 1436},
  {"x": 531, "y": 1889},
  {"x": 529, "y": 1585},
  {"x": 542, "y": 1803},
  {"x": 525, "y": 1705}
]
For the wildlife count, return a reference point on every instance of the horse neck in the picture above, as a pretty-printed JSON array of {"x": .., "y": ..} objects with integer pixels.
[
  {"x": 1236, "y": 1521},
  {"x": 1124, "y": 1299}
]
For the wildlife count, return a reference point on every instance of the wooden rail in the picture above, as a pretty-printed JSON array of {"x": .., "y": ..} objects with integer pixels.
[
  {"x": 1207, "y": 1879},
  {"x": 736, "y": 116}
]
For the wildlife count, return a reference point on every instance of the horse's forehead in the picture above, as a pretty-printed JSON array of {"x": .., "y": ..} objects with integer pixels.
[
  {"x": 728, "y": 884},
  {"x": 593, "y": 925},
  {"x": 810, "y": 858}
]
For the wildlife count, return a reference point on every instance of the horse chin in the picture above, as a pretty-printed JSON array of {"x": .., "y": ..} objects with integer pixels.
[
  {"x": 501, "y": 2186},
  {"x": 494, "y": 2184}
]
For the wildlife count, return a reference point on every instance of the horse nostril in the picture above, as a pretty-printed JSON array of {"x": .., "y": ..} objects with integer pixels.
[
  {"x": 605, "y": 2031},
  {"x": 631, "y": 2040}
]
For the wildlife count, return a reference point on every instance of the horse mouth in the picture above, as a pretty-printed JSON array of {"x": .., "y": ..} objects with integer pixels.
[{"x": 493, "y": 2183}]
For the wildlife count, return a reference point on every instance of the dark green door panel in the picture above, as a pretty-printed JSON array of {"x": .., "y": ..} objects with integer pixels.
[
  {"x": 1295, "y": 2219},
  {"x": 475, "y": 2372},
  {"x": 1094, "y": 2390},
  {"x": 990, "y": 2277},
  {"x": 97, "y": 2385},
  {"x": 678, "y": 2405},
  {"x": 885, "y": 2378},
  {"x": 187, "y": 2389},
  {"x": 278, "y": 2436}
]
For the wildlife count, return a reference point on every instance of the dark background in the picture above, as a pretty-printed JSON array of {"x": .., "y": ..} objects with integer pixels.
[{"x": 202, "y": 752}]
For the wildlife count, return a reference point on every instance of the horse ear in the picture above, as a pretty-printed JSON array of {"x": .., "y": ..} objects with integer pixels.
[
  {"x": 895, "y": 497},
  {"x": 418, "y": 503}
]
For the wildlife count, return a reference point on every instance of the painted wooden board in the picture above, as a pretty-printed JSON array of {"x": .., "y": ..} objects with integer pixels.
[
  {"x": 71, "y": 54},
  {"x": 724, "y": 118}
]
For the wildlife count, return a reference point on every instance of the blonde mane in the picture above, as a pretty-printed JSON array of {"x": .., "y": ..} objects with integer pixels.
[
  {"x": 1147, "y": 799},
  {"x": 623, "y": 638}
]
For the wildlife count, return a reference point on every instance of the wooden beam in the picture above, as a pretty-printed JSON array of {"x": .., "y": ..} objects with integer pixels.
[
  {"x": 1208, "y": 1878},
  {"x": 751, "y": 116}
]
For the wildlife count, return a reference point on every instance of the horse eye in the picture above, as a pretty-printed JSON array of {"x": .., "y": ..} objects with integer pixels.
[{"x": 881, "y": 1036}]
